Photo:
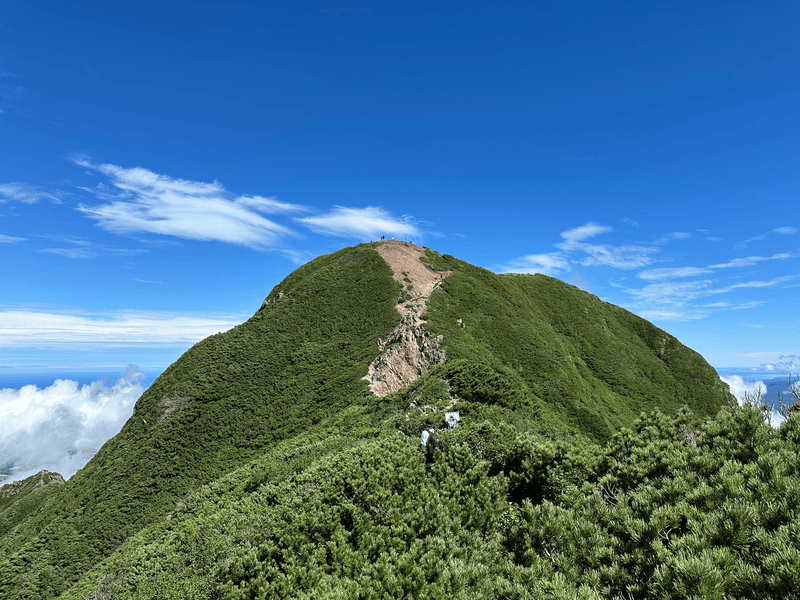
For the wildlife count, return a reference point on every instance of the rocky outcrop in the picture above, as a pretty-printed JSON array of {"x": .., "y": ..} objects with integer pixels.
[
  {"x": 408, "y": 351},
  {"x": 172, "y": 403},
  {"x": 41, "y": 478}
]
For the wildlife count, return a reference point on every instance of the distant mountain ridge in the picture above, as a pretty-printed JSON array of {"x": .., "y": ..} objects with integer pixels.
[{"x": 292, "y": 385}]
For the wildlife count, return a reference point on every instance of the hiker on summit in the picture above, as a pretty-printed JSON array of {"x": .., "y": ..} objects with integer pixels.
[{"x": 430, "y": 439}]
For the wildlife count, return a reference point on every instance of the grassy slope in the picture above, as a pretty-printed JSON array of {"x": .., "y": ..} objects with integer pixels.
[
  {"x": 598, "y": 363},
  {"x": 534, "y": 351}
]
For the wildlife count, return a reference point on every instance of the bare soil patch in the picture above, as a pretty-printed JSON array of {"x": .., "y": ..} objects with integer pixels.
[{"x": 408, "y": 351}]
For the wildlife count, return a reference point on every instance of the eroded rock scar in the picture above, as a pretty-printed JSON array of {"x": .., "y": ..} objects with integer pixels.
[{"x": 408, "y": 351}]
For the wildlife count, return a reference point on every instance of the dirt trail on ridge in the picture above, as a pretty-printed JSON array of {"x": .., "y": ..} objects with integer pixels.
[{"x": 408, "y": 351}]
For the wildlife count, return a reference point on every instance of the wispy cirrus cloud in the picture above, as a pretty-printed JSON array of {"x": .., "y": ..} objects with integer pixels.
[
  {"x": 125, "y": 328},
  {"x": 673, "y": 293},
  {"x": 70, "y": 252},
  {"x": 757, "y": 284},
  {"x": 683, "y": 272},
  {"x": 677, "y": 235},
  {"x": 93, "y": 251},
  {"x": 574, "y": 249},
  {"x": 140, "y": 201},
  {"x": 82, "y": 248},
  {"x": 618, "y": 257},
  {"x": 734, "y": 306},
  {"x": 751, "y": 260},
  {"x": 10, "y": 239},
  {"x": 785, "y": 230},
  {"x": 17, "y": 191},
  {"x": 546, "y": 264},
  {"x": 368, "y": 223},
  {"x": 675, "y": 299},
  {"x": 672, "y": 273}
]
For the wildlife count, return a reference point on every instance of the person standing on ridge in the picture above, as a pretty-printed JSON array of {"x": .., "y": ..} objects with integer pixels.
[{"x": 429, "y": 439}]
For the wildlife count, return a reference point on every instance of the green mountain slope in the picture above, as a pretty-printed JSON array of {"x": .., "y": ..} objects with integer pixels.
[
  {"x": 22, "y": 498},
  {"x": 283, "y": 393},
  {"x": 597, "y": 364}
]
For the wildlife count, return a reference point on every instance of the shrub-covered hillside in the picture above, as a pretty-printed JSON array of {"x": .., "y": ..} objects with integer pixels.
[
  {"x": 597, "y": 363},
  {"x": 672, "y": 508},
  {"x": 282, "y": 396}
]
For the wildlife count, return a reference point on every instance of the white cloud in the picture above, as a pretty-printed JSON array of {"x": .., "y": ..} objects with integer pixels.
[
  {"x": 678, "y": 235},
  {"x": 546, "y": 264},
  {"x": 74, "y": 420},
  {"x": 619, "y": 257},
  {"x": 750, "y": 260},
  {"x": 679, "y": 272},
  {"x": 671, "y": 314},
  {"x": 728, "y": 305},
  {"x": 574, "y": 250},
  {"x": 41, "y": 329},
  {"x": 17, "y": 191},
  {"x": 739, "y": 387},
  {"x": 787, "y": 364},
  {"x": 143, "y": 201},
  {"x": 672, "y": 273},
  {"x": 750, "y": 304},
  {"x": 70, "y": 252},
  {"x": 268, "y": 205},
  {"x": 781, "y": 230},
  {"x": 678, "y": 293},
  {"x": 92, "y": 250},
  {"x": 368, "y": 223},
  {"x": 749, "y": 389},
  {"x": 10, "y": 239},
  {"x": 757, "y": 238},
  {"x": 573, "y": 236},
  {"x": 755, "y": 284}
]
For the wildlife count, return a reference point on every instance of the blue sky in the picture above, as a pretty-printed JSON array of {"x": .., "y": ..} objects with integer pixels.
[{"x": 165, "y": 164}]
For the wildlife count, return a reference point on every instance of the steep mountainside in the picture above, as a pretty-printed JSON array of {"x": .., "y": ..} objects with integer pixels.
[
  {"x": 595, "y": 363},
  {"x": 22, "y": 498},
  {"x": 291, "y": 386}
]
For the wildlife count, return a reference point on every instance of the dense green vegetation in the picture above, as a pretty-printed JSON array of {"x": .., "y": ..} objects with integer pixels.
[
  {"x": 260, "y": 465},
  {"x": 21, "y": 499},
  {"x": 599, "y": 364},
  {"x": 671, "y": 508}
]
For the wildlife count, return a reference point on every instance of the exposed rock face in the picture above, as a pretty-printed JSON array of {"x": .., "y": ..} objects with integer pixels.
[
  {"x": 267, "y": 300},
  {"x": 41, "y": 478},
  {"x": 408, "y": 351},
  {"x": 172, "y": 403}
]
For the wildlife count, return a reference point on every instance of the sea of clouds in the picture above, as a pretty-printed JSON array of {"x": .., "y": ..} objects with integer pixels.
[
  {"x": 749, "y": 388},
  {"x": 60, "y": 427}
]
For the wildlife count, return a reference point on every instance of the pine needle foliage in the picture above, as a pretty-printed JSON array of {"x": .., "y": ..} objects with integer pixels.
[{"x": 675, "y": 507}]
